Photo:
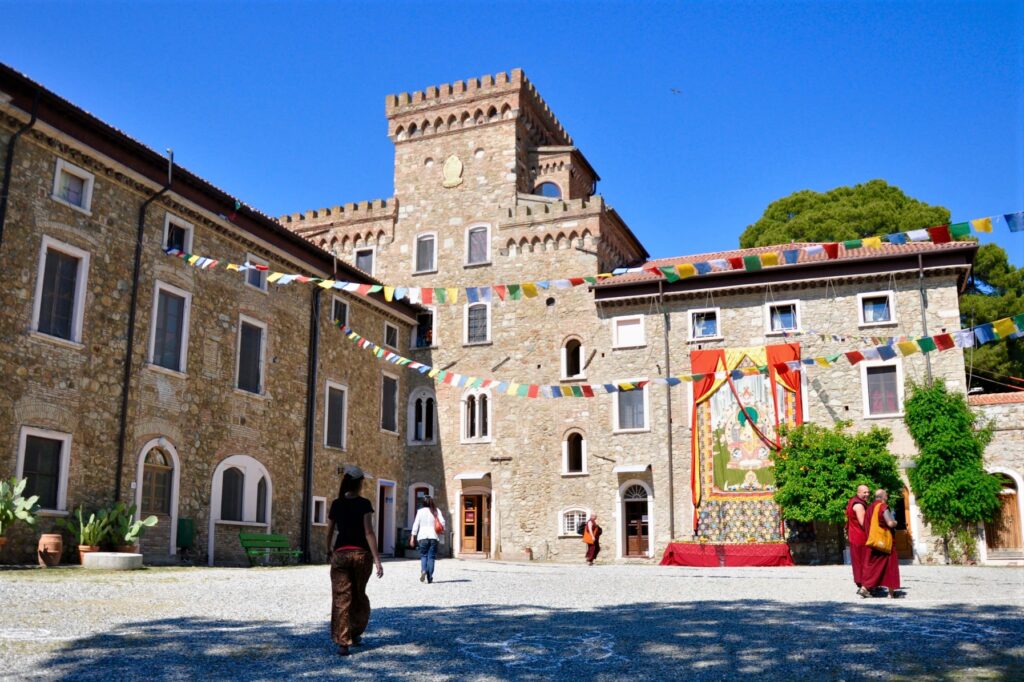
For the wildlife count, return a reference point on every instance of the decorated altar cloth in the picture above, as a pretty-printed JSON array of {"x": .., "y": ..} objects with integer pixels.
[
  {"x": 708, "y": 554},
  {"x": 735, "y": 434}
]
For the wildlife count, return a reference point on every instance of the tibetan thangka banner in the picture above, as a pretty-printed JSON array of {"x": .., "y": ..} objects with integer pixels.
[{"x": 735, "y": 426}]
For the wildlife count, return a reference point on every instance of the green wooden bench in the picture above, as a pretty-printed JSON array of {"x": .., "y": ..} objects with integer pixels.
[{"x": 265, "y": 546}]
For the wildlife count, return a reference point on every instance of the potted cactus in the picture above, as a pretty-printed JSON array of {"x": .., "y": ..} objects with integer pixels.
[
  {"x": 14, "y": 507},
  {"x": 89, "y": 534},
  {"x": 125, "y": 530}
]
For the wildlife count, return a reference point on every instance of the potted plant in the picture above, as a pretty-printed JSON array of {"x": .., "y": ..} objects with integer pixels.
[
  {"x": 89, "y": 534},
  {"x": 125, "y": 530},
  {"x": 14, "y": 507}
]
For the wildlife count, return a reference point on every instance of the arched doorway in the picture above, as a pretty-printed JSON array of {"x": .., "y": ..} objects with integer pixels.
[
  {"x": 1003, "y": 533},
  {"x": 635, "y": 519},
  {"x": 156, "y": 492}
]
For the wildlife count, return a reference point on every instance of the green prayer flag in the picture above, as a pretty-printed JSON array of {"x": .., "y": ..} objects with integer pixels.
[
  {"x": 440, "y": 295},
  {"x": 577, "y": 391},
  {"x": 751, "y": 263},
  {"x": 374, "y": 288},
  {"x": 523, "y": 390},
  {"x": 957, "y": 230},
  {"x": 1019, "y": 321},
  {"x": 515, "y": 292},
  {"x": 926, "y": 344},
  {"x": 590, "y": 280},
  {"x": 670, "y": 274},
  {"x": 852, "y": 243},
  {"x": 833, "y": 358}
]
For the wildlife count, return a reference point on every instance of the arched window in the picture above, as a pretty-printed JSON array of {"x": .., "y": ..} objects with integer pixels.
[
  {"x": 574, "y": 454},
  {"x": 476, "y": 417},
  {"x": 572, "y": 359},
  {"x": 156, "y": 482},
  {"x": 478, "y": 248},
  {"x": 261, "y": 500},
  {"x": 232, "y": 493},
  {"x": 548, "y": 189},
  {"x": 571, "y": 520},
  {"x": 422, "y": 419},
  {"x": 635, "y": 492},
  {"x": 478, "y": 323}
]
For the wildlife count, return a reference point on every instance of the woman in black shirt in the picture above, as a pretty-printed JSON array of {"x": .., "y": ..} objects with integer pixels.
[{"x": 351, "y": 553}]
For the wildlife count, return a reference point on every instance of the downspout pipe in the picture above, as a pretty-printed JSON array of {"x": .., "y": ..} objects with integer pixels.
[
  {"x": 306, "y": 531},
  {"x": 9, "y": 164},
  {"x": 667, "y": 327},
  {"x": 126, "y": 381},
  {"x": 923, "y": 300}
]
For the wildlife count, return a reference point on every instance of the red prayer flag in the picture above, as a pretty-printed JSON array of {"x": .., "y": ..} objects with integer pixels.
[
  {"x": 831, "y": 250},
  {"x": 364, "y": 289},
  {"x": 654, "y": 271},
  {"x": 588, "y": 392},
  {"x": 944, "y": 341},
  {"x": 262, "y": 268},
  {"x": 854, "y": 356},
  {"x": 736, "y": 263},
  {"x": 302, "y": 278},
  {"x": 499, "y": 289},
  {"x": 940, "y": 234},
  {"x": 532, "y": 393},
  {"x": 575, "y": 281},
  {"x": 427, "y": 295}
]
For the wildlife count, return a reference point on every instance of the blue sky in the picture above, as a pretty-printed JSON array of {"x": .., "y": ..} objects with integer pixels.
[{"x": 282, "y": 104}]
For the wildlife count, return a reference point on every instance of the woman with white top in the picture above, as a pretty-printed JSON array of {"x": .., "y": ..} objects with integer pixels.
[{"x": 426, "y": 530}]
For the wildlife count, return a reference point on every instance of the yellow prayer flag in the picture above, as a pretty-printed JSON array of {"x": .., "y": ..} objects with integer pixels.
[
  {"x": 512, "y": 389},
  {"x": 686, "y": 270},
  {"x": 871, "y": 242},
  {"x": 232, "y": 266},
  {"x": 626, "y": 387},
  {"x": 453, "y": 294},
  {"x": 192, "y": 260},
  {"x": 822, "y": 361},
  {"x": 529, "y": 289},
  {"x": 907, "y": 347},
  {"x": 433, "y": 373},
  {"x": 274, "y": 276},
  {"x": 567, "y": 391},
  {"x": 389, "y": 293},
  {"x": 769, "y": 259},
  {"x": 1004, "y": 327},
  {"x": 326, "y": 284},
  {"x": 982, "y": 225}
]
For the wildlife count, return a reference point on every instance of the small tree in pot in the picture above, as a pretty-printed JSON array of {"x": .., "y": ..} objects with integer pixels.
[
  {"x": 125, "y": 530},
  {"x": 14, "y": 507},
  {"x": 89, "y": 534}
]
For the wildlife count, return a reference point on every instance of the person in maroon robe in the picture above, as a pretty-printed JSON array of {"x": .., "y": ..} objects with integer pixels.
[
  {"x": 880, "y": 569},
  {"x": 856, "y": 510}
]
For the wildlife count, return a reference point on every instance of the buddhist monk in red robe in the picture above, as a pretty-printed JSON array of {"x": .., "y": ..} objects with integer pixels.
[
  {"x": 856, "y": 512},
  {"x": 881, "y": 569}
]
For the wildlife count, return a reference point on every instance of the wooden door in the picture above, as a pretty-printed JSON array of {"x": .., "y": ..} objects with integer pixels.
[
  {"x": 636, "y": 528},
  {"x": 485, "y": 524},
  {"x": 1003, "y": 531},
  {"x": 471, "y": 523},
  {"x": 381, "y": 493},
  {"x": 902, "y": 540}
]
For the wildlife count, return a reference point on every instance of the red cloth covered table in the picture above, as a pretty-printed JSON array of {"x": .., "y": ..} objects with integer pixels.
[{"x": 697, "y": 554}]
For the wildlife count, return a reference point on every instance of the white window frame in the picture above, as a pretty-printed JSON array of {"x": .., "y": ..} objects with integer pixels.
[
  {"x": 463, "y": 437},
  {"x": 768, "y": 331},
  {"x": 411, "y": 508},
  {"x": 89, "y": 180},
  {"x": 433, "y": 330},
  {"x": 252, "y": 471},
  {"x": 398, "y": 395},
  {"x": 81, "y": 283},
  {"x": 900, "y": 394},
  {"x": 647, "y": 409},
  {"x": 373, "y": 258},
  {"x": 171, "y": 219},
  {"x": 312, "y": 511},
  {"x": 65, "y": 461},
  {"x": 487, "y": 231},
  {"x": 465, "y": 324},
  {"x": 348, "y": 308},
  {"x": 415, "y": 253},
  {"x": 561, "y": 521},
  {"x": 183, "y": 353},
  {"x": 691, "y": 328},
  {"x": 253, "y": 259},
  {"x": 890, "y": 294},
  {"x": 338, "y": 386},
  {"x": 410, "y": 421},
  {"x": 565, "y": 360},
  {"x": 616, "y": 321},
  {"x": 398, "y": 336},
  {"x": 263, "y": 354},
  {"x": 565, "y": 454}
]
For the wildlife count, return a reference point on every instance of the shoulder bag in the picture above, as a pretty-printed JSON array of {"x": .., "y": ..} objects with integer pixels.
[
  {"x": 438, "y": 526},
  {"x": 879, "y": 538}
]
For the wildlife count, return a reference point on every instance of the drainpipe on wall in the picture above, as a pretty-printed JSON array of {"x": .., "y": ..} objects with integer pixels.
[
  {"x": 306, "y": 531},
  {"x": 9, "y": 164},
  {"x": 668, "y": 415},
  {"x": 127, "y": 380},
  {"x": 923, "y": 300}
]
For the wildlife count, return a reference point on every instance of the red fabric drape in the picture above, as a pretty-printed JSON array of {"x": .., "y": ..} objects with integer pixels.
[
  {"x": 701, "y": 362},
  {"x": 778, "y": 371}
]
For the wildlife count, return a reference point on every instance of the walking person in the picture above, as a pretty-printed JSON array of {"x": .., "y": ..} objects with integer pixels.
[
  {"x": 353, "y": 555},
  {"x": 882, "y": 565},
  {"x": 427, "y": 529},
  {"x": 856, "y": 512},
  {"x": 592, "y": 536}
]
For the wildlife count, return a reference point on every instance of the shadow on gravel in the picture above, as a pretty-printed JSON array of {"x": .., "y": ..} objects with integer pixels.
[{"x": 699, "y": 640}]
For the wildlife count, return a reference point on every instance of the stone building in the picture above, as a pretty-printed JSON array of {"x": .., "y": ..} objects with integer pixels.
[
  {"x": 1001, "y": 541},
  {"x": 239, "y": 400}
]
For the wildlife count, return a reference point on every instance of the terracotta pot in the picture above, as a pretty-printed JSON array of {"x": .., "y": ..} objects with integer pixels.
[
  {"x": 128, "y": 549},
  {"x": 49, "y": 550},
  {"x": 85, "y": 549},
  {"x": 3, "y": 541}
]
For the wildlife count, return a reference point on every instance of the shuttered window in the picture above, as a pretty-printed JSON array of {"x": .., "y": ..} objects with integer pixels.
[
  {"x": 250, "y": 352},
  {"x": 389, "y": 404},
  {"x": 42, "y": 469},
  {"x": 57, "y": 303},
  {"x": 170, "y": 328}
]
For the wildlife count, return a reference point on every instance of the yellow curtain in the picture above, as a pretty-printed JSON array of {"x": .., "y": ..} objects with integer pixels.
[{"x": 733, "y": 357}]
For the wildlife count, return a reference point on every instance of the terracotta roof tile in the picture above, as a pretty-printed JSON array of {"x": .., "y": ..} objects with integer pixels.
[{"x": 996, "y": 398}]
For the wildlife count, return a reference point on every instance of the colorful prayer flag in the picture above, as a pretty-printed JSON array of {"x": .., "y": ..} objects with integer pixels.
[
  {"x": 1004, "y": 327},
  {"x": 1015, "y": 221},
  {"x": 686, "y": 270},
  {"x": 832, "y": 249},
  {"x": 872, "y": 242},
  {"x": 907, "y": 347},
  {"x": 943, "y": 341},
  {"x": 957, "y": 230},
  {"x": 926, "y": 344},
  {"x": 897, "y": 238},
  {"x": 751, "y": 263},
  {"x": 939, "y": 234}
]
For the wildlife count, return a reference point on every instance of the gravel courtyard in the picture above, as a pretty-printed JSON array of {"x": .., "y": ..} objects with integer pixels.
[{"x": 497, "y": 621}]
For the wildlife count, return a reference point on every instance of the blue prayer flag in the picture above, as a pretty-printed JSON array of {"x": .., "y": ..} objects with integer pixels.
[
  {"x": 1015, "y": 221},
  {"x": 985, "y": 333},
  {"x": 897, "y": 238},
  {"x": 556, "y": 391},
  {"x": 542, "y": 285},
  {"x": 791, "y": 256},
  {"x": 702, "y": 268},
  {"x": 886, "y": 352},
  {"x": 472, "y": 295},
  {"x": 610, "y": 388}
]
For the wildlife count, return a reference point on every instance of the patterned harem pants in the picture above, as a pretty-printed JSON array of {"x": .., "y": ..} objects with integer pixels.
[{"x": 350, "y": 612}]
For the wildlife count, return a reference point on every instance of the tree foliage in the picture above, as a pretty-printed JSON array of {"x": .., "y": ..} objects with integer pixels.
[
  {"x": 872, "y": 208},
  {"x": 996, "y": 291},
  {"x": 819, "y": 469},
  {"x": 948, "y": 478}
]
